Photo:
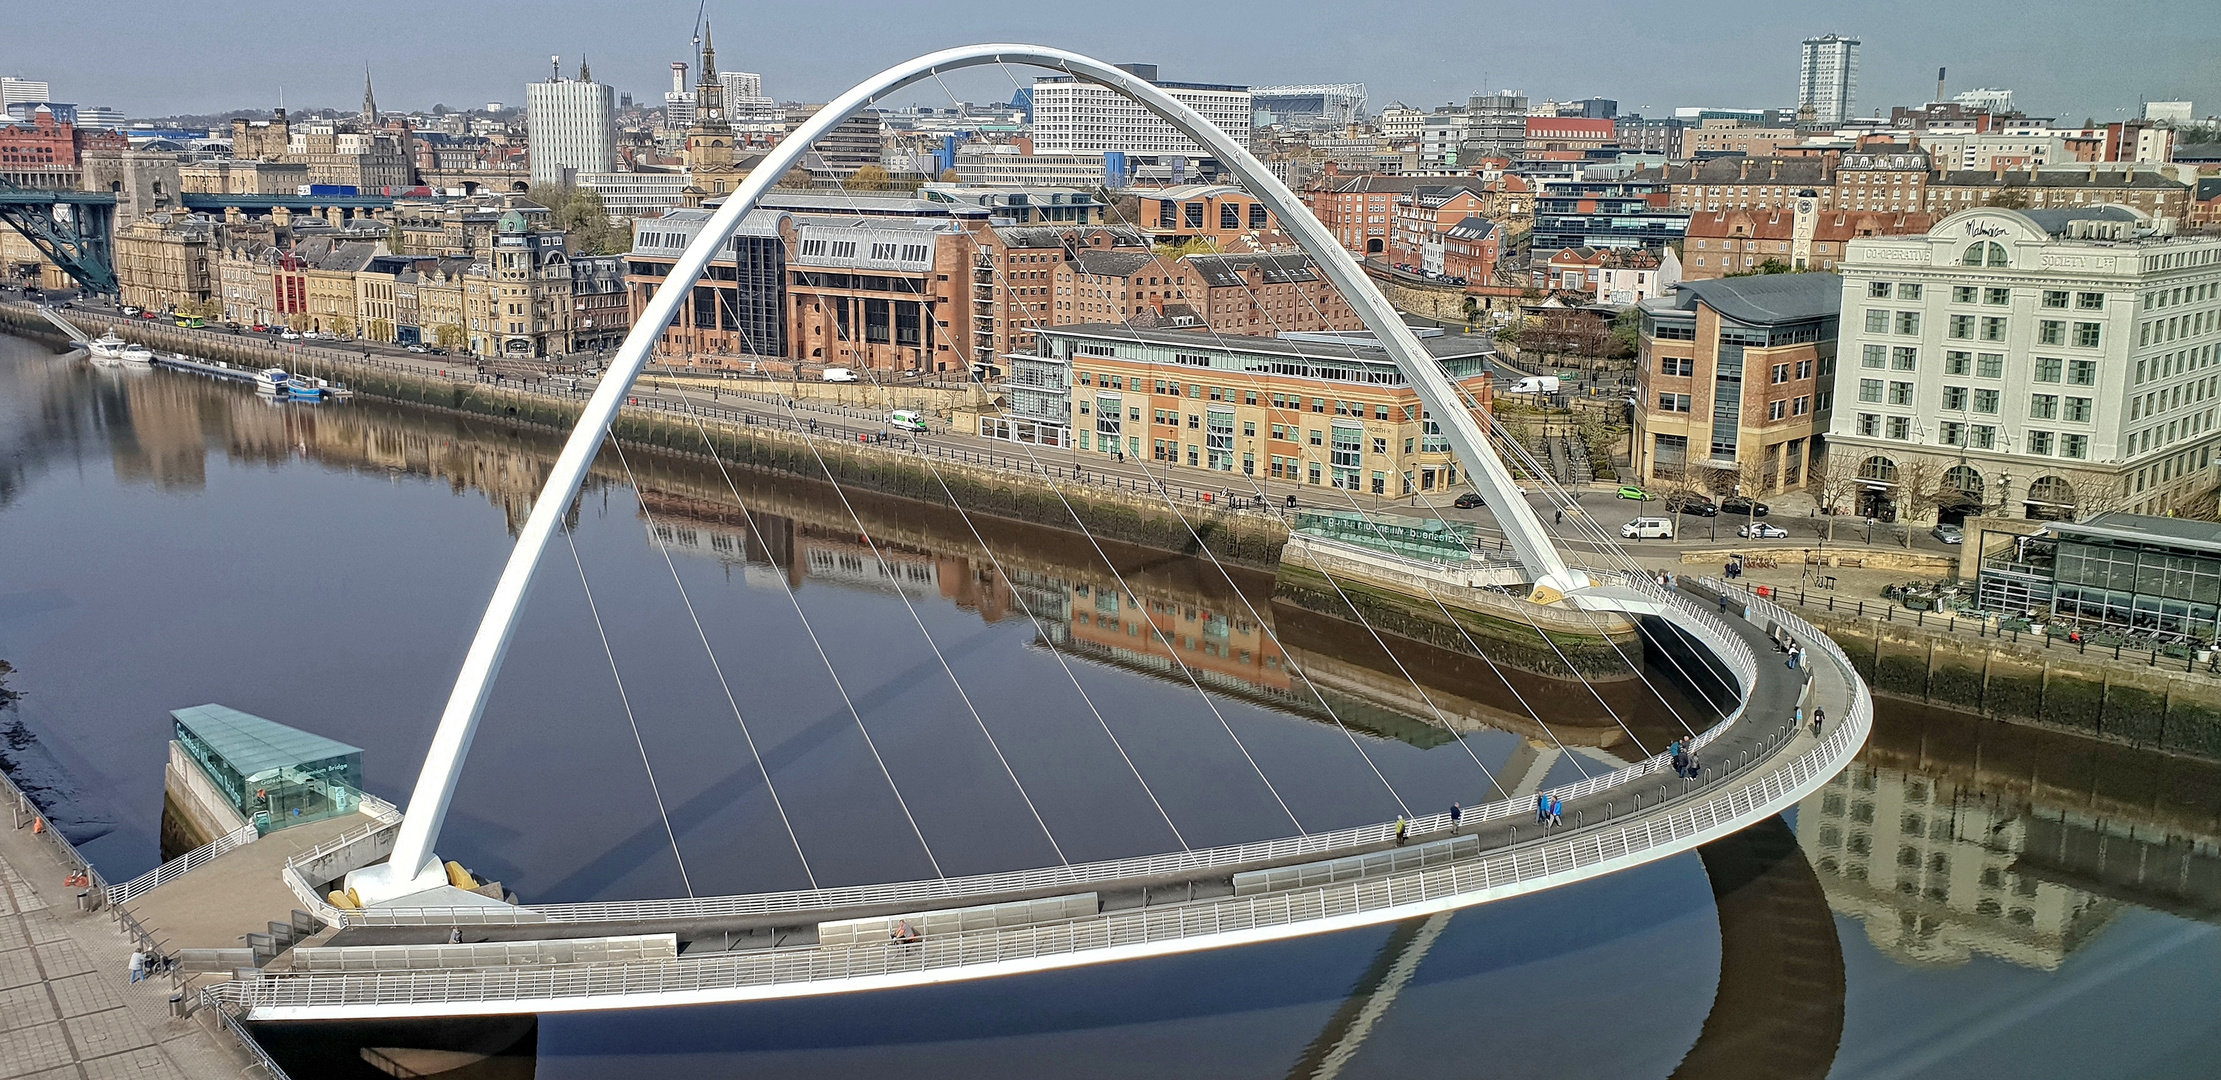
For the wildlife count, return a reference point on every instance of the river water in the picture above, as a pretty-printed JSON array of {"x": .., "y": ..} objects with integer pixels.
[{"x": 1969, "y": 900}]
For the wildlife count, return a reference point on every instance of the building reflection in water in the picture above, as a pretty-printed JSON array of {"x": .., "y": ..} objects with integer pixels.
[{"x": 1953, "y": 835}]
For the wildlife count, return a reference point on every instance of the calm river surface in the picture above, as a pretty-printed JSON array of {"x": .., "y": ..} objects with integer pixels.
[{"x": 1970, "y": 900}]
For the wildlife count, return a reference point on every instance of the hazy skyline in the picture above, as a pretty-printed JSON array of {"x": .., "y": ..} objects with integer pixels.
[{"x": 1651, "y": 56}]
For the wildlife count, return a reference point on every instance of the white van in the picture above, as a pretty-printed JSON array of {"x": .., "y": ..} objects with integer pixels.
[
  {"x": 1648, "y": 528},
  {"x": 1536, "y": 384},
  {"x": 905, "y": 420},
  {"x": 838, "y": 374}
]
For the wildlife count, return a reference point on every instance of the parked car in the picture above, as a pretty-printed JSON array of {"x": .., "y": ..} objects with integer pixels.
[
  {"x": 416, "y": 348},
  {"x": 1695, "y": 505},
  {"x": 1468, "y": 501},
  {"x": 131, "y": 309},
  {"x": 1635, "y": 493},
  {"x": 290, "y": 334},
  {"x": 1648, "y": 528},
  {"x": 1949, "y": 534},
  {"x": 1736, "y": 504},
  {"x": 1762, "y": 531}
]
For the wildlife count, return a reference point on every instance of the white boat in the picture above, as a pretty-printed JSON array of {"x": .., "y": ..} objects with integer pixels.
[
  {"x": 271, "y": 381},
  {"x": 137, "y": 355},
  {"x": 107, "y": 349}
]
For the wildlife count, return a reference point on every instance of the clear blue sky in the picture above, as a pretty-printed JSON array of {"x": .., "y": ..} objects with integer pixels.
[{"x": 2063, "y": 57}]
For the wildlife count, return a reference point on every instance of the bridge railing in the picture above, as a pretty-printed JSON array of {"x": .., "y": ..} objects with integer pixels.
[
  {"x": 1707, "y": 627},
  {"x": 173, "y": 869},
  {"x": 1732, "y": 805}
]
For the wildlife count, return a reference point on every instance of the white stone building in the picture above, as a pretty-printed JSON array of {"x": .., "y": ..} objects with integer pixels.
[
  {"x": 2037, "y": 363},
  {"x": 1072, "y": 117}
]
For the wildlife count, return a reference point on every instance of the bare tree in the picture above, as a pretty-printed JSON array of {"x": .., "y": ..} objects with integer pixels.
[
  {"x": 1830, "y": 484},
  {"x": 2096, "y": 494},
  {"x": 1920, "y": 490}
]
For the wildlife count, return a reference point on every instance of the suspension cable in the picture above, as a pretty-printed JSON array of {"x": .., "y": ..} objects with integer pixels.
[
  {"x": 653, "y": 787},
  {"x": 730, "y": 699}
]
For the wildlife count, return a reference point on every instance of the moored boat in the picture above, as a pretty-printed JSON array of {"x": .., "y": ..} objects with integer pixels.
[
  {"x": 137, "y": 355},
  {"x": 107, "y": 349},
  {"x": 304, "y": 388},
  {"x": 271, "y": 381}
]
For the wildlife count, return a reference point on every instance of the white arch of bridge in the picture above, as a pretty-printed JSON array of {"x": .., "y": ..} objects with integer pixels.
[{"x": 413, "y": 867}]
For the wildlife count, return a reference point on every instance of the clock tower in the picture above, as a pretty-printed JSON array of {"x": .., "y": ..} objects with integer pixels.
[{"x": 709, "y": 141}]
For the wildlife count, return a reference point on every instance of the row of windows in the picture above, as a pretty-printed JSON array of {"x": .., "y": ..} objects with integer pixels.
[
  {"x": 1976, "y": 436},
  {"x": 1992, "y": 295}
]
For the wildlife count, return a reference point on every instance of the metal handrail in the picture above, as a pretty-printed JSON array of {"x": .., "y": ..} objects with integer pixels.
[
  {"x": 1504, "y": 870},
  {"x": 1715, "y": 633},
  {"x": 211, "y": 999},
  {"x": 171, "y": 870}
]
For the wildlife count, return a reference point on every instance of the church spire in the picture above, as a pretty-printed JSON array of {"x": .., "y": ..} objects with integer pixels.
[
  {"x": 709, "y": 54},
  {"x": 583, "y": 74},
  {"x": 369, "y": 100}
]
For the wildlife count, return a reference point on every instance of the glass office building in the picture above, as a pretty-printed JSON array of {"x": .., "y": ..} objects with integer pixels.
[
  {"x": 274, "y": 775},
  {"x": 2156, "y": 575}
]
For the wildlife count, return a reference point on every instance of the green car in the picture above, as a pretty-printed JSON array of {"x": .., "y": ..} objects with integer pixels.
[{"x": 1635, "y": 493}]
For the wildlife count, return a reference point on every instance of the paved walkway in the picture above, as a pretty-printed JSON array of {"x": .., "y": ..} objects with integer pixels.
[{"x": 67, "y": 1006}]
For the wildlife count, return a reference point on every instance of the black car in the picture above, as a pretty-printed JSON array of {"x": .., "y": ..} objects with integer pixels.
[
  {"x": 1736, "y": 504},
  {"x": 1468, "y": 501},
  {"x": 1697, "y": 506}
]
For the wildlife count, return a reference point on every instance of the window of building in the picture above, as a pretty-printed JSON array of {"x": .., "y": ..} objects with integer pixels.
[
  {"x": 1870, "y": 425},
  {"x": 2082, "y": 372},
  {"x": 1954, "y": 398},
  {"x": 2055, "y": 298},
  {"x": 2049, "y": 368},
  {"x": 2043, "y": 406},
  {"x": 1982, "y": 437},
  {"x": 1877, "y": 321},
  {"x": 1989, "y": 365},
  {"x": 1956, "y": 362},
  {"x": 1879, "y": 290},
  {"x": 2078, "y": 409},
  {"x": 1993, "y": 328},
  {"x": 2086, "y": 335},
  {"x": 1673, "y": 403},
  {"x": 1951, "y": 433},
  {"x": 1900, "y": 393},
  {"x": 1874, "y": 356},
  {"x": 1961, "y": 326},
  {"x": 2039, "y": 442},
  {"x": 1904, "y": 358},
  {"x": 1229, "y": 215},
  {"x": 1997, "y": 296},
  {"x": 1781, "y": 373},
  {"x": 1986, "y": 400},
  {"x": 1900, "y": 427},
  {"x": 1908, "y": 291},
  {"x": 2074, "y": 446},
  {"x": 2090, "y": 301},
  {"x": 1777, "y": 410},
  {"x": 1908, "y": 322},
  {"x": 1804, "y": 369},
  {"x": 2049, "y": 332},
  {"x": 1801, "y": 406}
]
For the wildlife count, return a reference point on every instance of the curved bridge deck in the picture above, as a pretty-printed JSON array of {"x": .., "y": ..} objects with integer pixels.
[{"x": 1755, "y": 766}]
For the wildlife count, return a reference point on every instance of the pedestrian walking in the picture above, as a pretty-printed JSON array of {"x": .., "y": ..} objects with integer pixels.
[
  {"x": 1402, "y": 829},
  {"x": 1542, "y": 809},
  {"x": 1723, "y": 602},
  {"x": 1797, "y": 716},
  {"x": 1819, "y": 716},
  {"x": 1557, "y": 811},
  {"x": 1456, "y": 812},
  {"x": 1561, "y": 516},
  {"x": 138, "y": 965}
]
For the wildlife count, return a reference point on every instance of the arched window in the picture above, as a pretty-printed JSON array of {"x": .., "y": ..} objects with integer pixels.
[
  {"x": 1878, "y": 469},
  {"x": 2051, "y": 497},
  {"x": 1964, "y": 480},
  {"x": 1986, "y": 253}
]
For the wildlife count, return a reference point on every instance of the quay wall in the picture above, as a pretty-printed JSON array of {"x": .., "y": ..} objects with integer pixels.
[
  {"x": 2144, "y": 700},
  {"x": 1137, "y": 517}
]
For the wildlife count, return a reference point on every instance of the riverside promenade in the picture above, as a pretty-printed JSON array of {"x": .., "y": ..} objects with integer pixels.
[{"x": 68, "y": 1008}]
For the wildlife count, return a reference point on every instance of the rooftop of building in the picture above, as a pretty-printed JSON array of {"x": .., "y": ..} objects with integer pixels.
[
  {"x": 1227, "y": 270},
  {"x": 253, "y": 745},
  {"x": 1441, "y": 347},
  {"x": 1191, "y": 191},
  {"x": 2118, "y": 526},
  {"x": 1759, "y": 300}
]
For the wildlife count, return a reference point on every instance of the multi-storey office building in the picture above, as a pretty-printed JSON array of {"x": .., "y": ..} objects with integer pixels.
[
  {"x": 1073, "y": 117},
  {"x": 1300, "y": 411},
  {"x": 573, "y": 123},
  {"x": 2043, "y": 363},
  {"x": 1733, "y": 381},
  {"x": 1827, "y": 78}
]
